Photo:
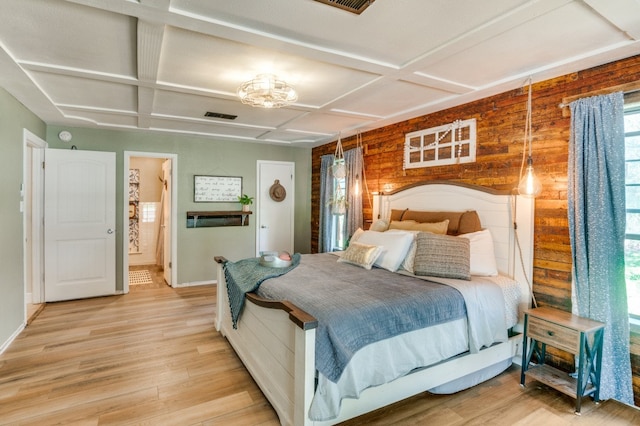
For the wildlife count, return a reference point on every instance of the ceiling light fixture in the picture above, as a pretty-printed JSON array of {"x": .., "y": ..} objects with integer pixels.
[{"x": 266, "y": 91}]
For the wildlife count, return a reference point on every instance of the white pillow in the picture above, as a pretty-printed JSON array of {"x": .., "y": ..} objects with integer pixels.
[
  {"x": 483, "y": 259},
  {"x": 396, "y": 245},
  {"x": 407, "y": 263}
]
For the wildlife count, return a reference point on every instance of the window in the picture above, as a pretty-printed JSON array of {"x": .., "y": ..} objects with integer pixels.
[
  {"x": 632, "y": 186},
  {"x": 451, "y": 143},
  {"x": 148, "y": 212}
]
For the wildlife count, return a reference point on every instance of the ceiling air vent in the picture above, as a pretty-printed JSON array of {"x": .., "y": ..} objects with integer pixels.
[
  {"x": 220, "y": 115},
  {"x": 355, "y": 6}
]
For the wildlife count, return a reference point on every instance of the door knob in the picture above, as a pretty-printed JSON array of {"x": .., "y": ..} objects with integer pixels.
[
  {"x": 110, "y": 231},
  {"x": 263, "y": 227}
]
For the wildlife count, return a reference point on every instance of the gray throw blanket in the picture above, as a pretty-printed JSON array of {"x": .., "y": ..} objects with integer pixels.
[
  {"x": 245, "y": 276},
  {"x": 356, "y": 307}
]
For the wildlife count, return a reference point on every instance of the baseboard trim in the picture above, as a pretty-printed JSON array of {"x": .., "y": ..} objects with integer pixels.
[
  {"x": 11, "y": 338},
  {"x": 195, "y": 283}
]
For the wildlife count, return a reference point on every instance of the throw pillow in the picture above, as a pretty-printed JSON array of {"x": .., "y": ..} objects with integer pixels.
[
  {"x": 442, "y": 256},
  {"x": 362, "y": 255},
  {"x": 483, "y": 259},
  {"x": 412, "y": 225}
]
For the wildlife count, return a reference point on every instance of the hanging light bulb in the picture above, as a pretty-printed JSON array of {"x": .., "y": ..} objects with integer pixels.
[{"x": 529, "y": 185}]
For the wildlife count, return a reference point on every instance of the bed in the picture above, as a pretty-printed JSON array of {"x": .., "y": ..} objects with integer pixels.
[{"x": 276, "y": 339}]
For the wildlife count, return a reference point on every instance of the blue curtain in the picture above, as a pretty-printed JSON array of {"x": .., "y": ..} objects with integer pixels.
[
  {"x": 326, "y": 191},
  {"x": 354, "y": 162},
  {"x": 597, "y": 226}
]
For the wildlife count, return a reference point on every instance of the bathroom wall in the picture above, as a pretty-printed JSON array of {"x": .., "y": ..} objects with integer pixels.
[{"x": 148, "y": 206}]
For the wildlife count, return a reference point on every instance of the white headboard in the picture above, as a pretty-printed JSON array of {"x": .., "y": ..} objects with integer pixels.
[{"x": 496, "y": 210}]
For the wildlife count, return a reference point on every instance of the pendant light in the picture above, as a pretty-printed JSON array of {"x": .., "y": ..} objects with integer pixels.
[{"x": 529, "y": 185}]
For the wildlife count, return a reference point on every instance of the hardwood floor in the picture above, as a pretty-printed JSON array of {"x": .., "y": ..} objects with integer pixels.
[
  {"x": 153, "y": 357},
  {"x": 157, "y": 276}
]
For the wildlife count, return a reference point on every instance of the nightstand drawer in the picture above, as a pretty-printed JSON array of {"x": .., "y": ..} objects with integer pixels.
[{"x": 553, "y": 334}]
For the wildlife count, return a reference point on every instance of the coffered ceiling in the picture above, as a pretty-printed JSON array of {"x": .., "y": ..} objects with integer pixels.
[{"x": 160, "y": 65}]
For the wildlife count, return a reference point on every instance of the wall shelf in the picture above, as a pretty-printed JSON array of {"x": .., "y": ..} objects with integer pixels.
[{"x": 206, "y": 219}]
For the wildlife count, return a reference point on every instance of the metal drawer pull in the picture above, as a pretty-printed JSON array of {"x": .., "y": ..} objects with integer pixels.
[{"x": 550, "y": 333}]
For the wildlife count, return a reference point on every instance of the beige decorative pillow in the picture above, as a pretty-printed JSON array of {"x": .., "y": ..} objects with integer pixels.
[
  {"x": 409, "y": 260},
  {"x": 442, "y": 256},
  {"x": 459, "y": 222},
  {"x": 363, "y": 255},
  {"x": 435, "y": 216},
  {"x": 356, "y": 235},
  {"x": 412, "y": 225},
  {"x": 379, "y": 225}
]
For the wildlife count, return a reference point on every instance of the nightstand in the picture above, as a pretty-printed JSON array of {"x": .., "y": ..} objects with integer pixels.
[{"x": 571, "y": 333}]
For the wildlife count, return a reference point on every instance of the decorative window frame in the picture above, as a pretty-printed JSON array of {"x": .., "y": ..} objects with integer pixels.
[{"x": 451, "y": 143}]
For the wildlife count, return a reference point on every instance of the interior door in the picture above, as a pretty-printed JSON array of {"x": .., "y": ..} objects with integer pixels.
[
  {"x": 79, "y": 224},
  {"x": 166, "y": 221},
  {"x": 275, "y": 219}
]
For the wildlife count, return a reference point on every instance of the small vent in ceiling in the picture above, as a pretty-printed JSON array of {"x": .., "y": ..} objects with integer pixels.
[
  {"x": 220, "y": 115},
  {"x": 355, "y": 6}
]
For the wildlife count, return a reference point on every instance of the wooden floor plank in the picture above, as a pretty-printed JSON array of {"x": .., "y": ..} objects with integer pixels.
[{"x": 153, "y": 357}]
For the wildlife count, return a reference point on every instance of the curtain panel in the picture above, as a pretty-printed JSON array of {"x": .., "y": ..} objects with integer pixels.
[
  {"x": 354, "y": 162},
  {"x": 326, "y": 192},
  {"x": 596, "y": 208}
]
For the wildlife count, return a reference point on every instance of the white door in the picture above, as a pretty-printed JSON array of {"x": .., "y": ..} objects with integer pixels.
[
  {"x": 166, "y": 221},
  {"x": 79, "y": 224},
  {"x": 275, "y": 219}
]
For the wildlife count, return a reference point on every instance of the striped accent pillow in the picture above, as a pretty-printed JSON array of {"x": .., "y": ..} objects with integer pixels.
[{"x": 442, "y": 256}]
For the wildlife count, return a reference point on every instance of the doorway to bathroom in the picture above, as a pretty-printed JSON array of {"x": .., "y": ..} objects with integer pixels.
[{"x": 149, "y": 243}]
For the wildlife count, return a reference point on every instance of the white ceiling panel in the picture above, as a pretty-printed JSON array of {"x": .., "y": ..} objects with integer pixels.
[
  {"x": 160, "y": 65},
  {"x": 202, "y": 127},
  {"x": 196, "y": 60},
  {"x": 391, "y": 32},
  {"x": 526, "y": 46},
  {"x": 88, "y": 93},
  {"x": 295, "y": 137},
  {"x": 326, "y": 124},
  {"x": 191, "y": 106},
  {"x": 388, "y": 99},
  {"x": 67, "y": 35},
  {"x": 99, "y": 119}
]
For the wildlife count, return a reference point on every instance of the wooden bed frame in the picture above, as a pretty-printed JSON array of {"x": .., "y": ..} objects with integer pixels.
[{"x": 276, "y": 340}]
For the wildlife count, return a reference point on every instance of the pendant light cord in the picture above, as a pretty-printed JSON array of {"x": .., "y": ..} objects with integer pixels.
[
  {"x": 527, "y": 134},
  {"x": 365, "y": 186}
]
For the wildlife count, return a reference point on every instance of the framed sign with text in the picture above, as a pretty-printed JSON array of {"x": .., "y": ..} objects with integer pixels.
[{"x": 216, "y": 189}]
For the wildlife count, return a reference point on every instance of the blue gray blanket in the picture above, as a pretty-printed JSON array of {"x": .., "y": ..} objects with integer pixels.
[
  {"x": 244, "y": 276},
  {"x": 356, "y": 307}
]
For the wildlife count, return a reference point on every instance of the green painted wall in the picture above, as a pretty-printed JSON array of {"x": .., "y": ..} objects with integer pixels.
[
  {"x": 202, "y": 156},
  {"x": 14, "y": 117}
]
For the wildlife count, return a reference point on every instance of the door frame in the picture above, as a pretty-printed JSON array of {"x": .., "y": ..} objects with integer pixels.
[
  {"x": 125, "y": 213},
  {"x": 33, "y": 251}
]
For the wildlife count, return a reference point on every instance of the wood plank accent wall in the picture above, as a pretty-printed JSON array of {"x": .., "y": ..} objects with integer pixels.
[{"x": 500, "y": 132}]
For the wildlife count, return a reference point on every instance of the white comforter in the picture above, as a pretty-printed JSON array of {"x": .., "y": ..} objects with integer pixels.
[{"x": 489, "y": 305}]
